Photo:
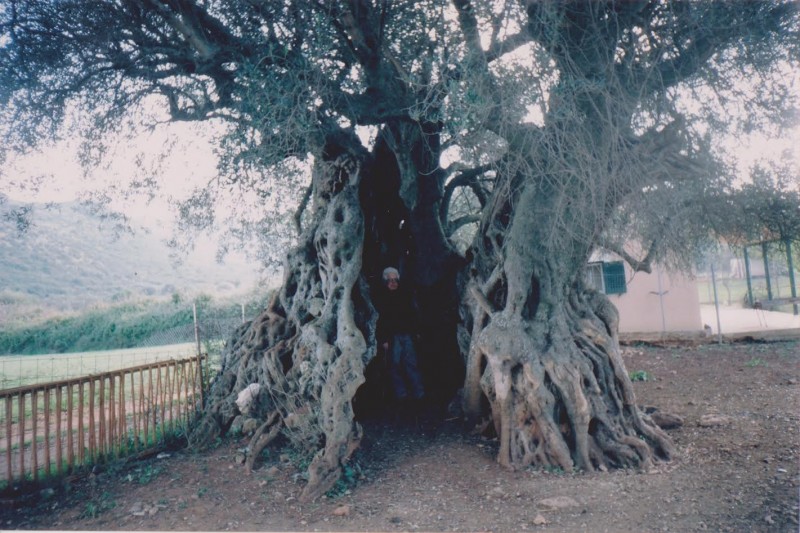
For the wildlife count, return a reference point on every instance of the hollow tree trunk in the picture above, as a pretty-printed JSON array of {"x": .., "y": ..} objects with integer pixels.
[
  {"x": 543, "y": 352},
  {"x": 402, "y": 204},
  {"x": 308, "y": 349}
]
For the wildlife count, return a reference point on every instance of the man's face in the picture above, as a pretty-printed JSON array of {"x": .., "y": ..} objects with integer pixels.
[{"x": 392, "y": 282}]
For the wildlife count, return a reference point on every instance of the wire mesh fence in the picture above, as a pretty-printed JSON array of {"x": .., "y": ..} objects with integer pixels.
[{"x": 759, "y": 276}]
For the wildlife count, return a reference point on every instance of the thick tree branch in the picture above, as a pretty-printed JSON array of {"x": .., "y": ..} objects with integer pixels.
[
  {"x": 638, "y": 265},
  {"x": 467, "y": 178},
  {"x": 458, "y": 223},
  {"x": 298, "y": 214},
  {"x": 477, "y": 65},
  {"x": 507, "y": 45}
]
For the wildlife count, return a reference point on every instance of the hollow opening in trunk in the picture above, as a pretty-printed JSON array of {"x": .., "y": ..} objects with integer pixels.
[{"x": 439, "y": 363}]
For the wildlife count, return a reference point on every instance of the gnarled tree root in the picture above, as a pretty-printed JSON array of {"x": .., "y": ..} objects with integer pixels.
[
  {"x": 559, "y": 392},
  {"x": 262, "y": 438}
]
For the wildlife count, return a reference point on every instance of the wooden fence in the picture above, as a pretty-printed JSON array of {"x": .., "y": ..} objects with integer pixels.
[{"x": 49, "y": 429}]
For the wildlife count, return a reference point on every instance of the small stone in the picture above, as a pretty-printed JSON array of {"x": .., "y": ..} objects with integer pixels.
[
  {"x": 558, "y": 502},
  {"x": 152, "y": 510},
  {"x": 249, "y": 426},
  {"x": 496, "y": 493},
  {"x": 272, "y": 472},
  {"x": 343, "y": 510},
  {"x": 666, "y": 420},
  {"x": 239, "y": 458},
  {"x": 791, "y": 381},
  {"x": 769, "y": 520},
  {"x": 539, "y": 520},
  {"x": 137, "y": 509},
  {"x": 712, "y": 420}
]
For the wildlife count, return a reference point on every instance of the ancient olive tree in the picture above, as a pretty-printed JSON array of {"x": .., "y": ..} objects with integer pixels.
[{"x": 533, "y": 131}]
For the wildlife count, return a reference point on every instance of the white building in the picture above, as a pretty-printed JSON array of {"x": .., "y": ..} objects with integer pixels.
[{"x": 648, "y": 303}]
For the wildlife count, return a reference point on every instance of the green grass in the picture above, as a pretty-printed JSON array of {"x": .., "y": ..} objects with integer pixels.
[
  {"x": 351, "y": 475},
  {"x": 95, "y": 508},
  {"x": 145, "y": 474},
  {"x": 641, "y": 375},
  {"x": 128, "y": 325}
]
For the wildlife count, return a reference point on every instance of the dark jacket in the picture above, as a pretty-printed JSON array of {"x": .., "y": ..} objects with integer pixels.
[{"x": 397, "y": 315}]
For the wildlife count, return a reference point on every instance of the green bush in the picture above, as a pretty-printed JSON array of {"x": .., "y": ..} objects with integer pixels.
[{"x": 122, "y": 325}]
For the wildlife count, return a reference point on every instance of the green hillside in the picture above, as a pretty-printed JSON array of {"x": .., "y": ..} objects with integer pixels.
[{"x": 69, "y": 261}]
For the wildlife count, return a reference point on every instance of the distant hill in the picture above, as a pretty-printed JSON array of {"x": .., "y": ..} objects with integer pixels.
[{"x": 70, "y": 260}]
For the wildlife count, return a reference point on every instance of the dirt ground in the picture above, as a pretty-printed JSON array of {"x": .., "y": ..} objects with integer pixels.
[{"x": 736, "y": 469}]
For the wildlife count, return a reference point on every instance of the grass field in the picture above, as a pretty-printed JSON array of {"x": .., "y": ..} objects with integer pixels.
[{"x": 18, "y": 370}]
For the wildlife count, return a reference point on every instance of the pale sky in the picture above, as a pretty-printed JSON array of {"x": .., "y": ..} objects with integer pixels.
[
  {"x": 192, "y": 162},
  {"x": 58, "y": 176}
]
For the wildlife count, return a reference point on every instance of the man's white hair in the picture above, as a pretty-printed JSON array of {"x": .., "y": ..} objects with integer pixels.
[{"x": 390, "y": 270}]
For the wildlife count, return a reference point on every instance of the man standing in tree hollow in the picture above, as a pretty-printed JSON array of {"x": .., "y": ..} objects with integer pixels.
[{"x": 396, "y": 326}]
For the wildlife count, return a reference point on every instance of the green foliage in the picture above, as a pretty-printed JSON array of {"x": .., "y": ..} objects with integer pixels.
[
  {"x": 146, "y": 474},
  {"x": 70, "y": 260},
  {"x": 641, "y": 375},
  {"x": 757, "y": 361},
  {"x": 122, "y": 326},
  {"x": 352, "y": 473},
  {"x": 125, "y": 325},
  {"x": 94, "y": 508}
]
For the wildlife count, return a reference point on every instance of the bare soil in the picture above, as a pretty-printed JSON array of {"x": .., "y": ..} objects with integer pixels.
[{"x": 736, "y": 469}]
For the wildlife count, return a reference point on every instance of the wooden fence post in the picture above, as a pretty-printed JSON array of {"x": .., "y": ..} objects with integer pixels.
[
  {"x": 164, "y": 402},
  {"x": 9, "y": 433}
]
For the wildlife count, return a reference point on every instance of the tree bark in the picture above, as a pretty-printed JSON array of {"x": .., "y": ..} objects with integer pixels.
[
  {"x": 544, "y": 354},
  {"x": 309, "y": 348},
  {"x": 541, "y": 353}
]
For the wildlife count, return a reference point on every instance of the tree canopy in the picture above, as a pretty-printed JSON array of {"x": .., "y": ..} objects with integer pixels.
[
  {"x": 277, "y": 78},
  {"x": 486, "y": 148}
]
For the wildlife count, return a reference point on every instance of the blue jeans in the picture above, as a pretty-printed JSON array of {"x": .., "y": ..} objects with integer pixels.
[{"x": 403, "y": 368}]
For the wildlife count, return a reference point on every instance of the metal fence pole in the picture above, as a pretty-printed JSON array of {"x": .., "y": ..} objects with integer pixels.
[
  {"x": 764, "y": 252},
  {"x": 716, "y": 303},
  {"x": 747, "y": 274},
  {"x": 196, "y": 328},
  {"x": 792, "y": 283},
  {"x": 661, "y": 302}
]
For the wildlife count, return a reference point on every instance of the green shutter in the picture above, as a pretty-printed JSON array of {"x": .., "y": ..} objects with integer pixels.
[{"x": 614, "y": 277}]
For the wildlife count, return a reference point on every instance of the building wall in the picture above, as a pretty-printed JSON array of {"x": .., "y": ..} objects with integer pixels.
[{"x": 641, "y": 311}]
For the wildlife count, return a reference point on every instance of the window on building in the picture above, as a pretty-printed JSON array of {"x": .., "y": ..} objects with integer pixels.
[
  {"x": 594, "y": 276},
  {"x": 608, "y": 278}
]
